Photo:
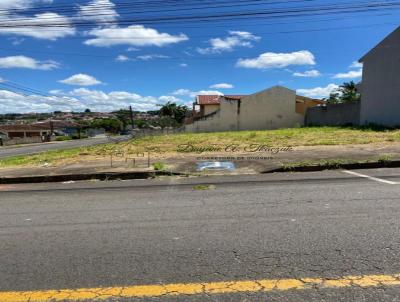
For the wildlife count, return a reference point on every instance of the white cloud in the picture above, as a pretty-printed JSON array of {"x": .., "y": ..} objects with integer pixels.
[
  {"x": 81, "y": 80},
  {"x": 307, "y": 74},
  {"x": 40, "y": 26},
  {"x": 221, "y": 86},
  {"x": 135, "y": 35},
  {"x": 356, "y": 64},
  {"x": 192, "y": 94},
  {"x": 27, "y": 62},
  {"x": 98, "y": 11},
  {"x": 56, "y": 91},
  {"x": 353, "y": 74},
  {"x": 183, "y": 65},
  {"x": 318, "y": 92},
  {"x": 151, "y": 57},
  {"x": 278, "y": 60},
  {"x": 2, "y": 80},
  {"x": 235, "y": 39},
  {"x": 132, "y": 49},
  {"x": 122, "y": 58}
]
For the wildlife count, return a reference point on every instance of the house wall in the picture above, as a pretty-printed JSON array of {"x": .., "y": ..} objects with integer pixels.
[
  {"x": 269, "y": 109},
  {"x": 380, "y": 88},
  {"x": 225, "y": 119},
  {"x": 210, "y": 109},
  {"x": 333, "y": 115}
]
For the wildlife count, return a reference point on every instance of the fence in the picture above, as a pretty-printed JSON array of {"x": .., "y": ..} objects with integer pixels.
[
  {"x": 333, "y": 115},
  {"x": 20, "y": 141},
  {"x": 138, "y": 133}
]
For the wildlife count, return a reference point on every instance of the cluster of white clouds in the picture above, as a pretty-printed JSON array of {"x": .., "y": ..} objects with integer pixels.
[
  {"x": 354, "y": 73},
  {"x": 23, "y": 25},
  {"x": 235, "y": 39},
  {"x": 98, "y": 11},
  {"x": 54, "y": 26},
  {"x": 318, "y": 92},
  {"x": 79, "y": 99}
]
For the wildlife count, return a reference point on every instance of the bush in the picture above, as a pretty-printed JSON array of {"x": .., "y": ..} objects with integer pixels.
[
  {"x": 159, "y": 166},
  {"x": 63, "y": 138}
]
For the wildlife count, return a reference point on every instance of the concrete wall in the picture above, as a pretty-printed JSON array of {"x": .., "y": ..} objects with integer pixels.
[
  {"x": 380, "y": 88},
  {"x": 333, "y": 115},
  {"x": 225, "y": 119},
  {"x": 20, "y": 141},
  {"x": 269, "y": 109}
]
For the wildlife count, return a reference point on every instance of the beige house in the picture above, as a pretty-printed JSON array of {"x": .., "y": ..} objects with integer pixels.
[{"x": 273, "y": 108}]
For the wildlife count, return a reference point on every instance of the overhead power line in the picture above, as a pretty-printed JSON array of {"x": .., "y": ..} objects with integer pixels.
[{"x": 291, "y": 12}]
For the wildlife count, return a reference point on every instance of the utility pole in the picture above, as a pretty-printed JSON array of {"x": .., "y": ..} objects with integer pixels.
[
  {"x": 131, "y": 115},
  {"x": 51, "y": 127}
]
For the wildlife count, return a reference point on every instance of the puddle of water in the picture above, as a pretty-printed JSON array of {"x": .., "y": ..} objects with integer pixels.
[{"x": 216, "y": 166}]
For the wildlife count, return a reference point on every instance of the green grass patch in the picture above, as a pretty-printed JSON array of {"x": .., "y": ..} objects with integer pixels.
[
  {"x": 49, "y": 157},
  {"x": 329, "y": 164},
  {"x": 63, "y": 138},
  {"x": 204, "y": 187}
]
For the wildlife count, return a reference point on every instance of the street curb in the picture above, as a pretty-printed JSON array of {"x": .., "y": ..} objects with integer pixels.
[
  {"x": 89, "y": 176},
  {"x": 103, "y": 176},
  {"x": 337, "y": 166}
]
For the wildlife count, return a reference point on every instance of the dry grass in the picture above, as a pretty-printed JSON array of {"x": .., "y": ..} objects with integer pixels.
[{"x": 167, "y": 144}]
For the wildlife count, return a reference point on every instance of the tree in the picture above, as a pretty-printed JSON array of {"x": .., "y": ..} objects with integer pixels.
[
  {"x": 174, "y": 111},
  {"x": 87, "y": 110},
  {"x": 346, "y": 93},
  {"x": 110, "y": 125}
]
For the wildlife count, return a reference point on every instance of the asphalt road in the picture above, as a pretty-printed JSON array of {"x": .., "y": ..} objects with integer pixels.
[
  {"x": 324, "y": 225},
  {"x": 38, "y": 148}
]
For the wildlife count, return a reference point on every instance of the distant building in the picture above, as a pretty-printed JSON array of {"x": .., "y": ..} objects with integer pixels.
[
  {"x": 38, "y": 130},
  {"x": 380, "y": 87},
  {"x": 23, "y": 131}
]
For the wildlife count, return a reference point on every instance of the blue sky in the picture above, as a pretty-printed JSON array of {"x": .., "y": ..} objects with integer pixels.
[{"x": 103, "y": 59}]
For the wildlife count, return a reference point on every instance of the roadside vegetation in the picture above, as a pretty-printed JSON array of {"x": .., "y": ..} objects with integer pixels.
[{"x": 167, "y": 145}]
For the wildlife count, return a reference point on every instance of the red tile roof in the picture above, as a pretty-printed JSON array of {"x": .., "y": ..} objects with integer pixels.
[
  {"x": 38, "y": 126},
  {"x": 20, "y": 127},
  {"x": 215, "y": 99}
]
